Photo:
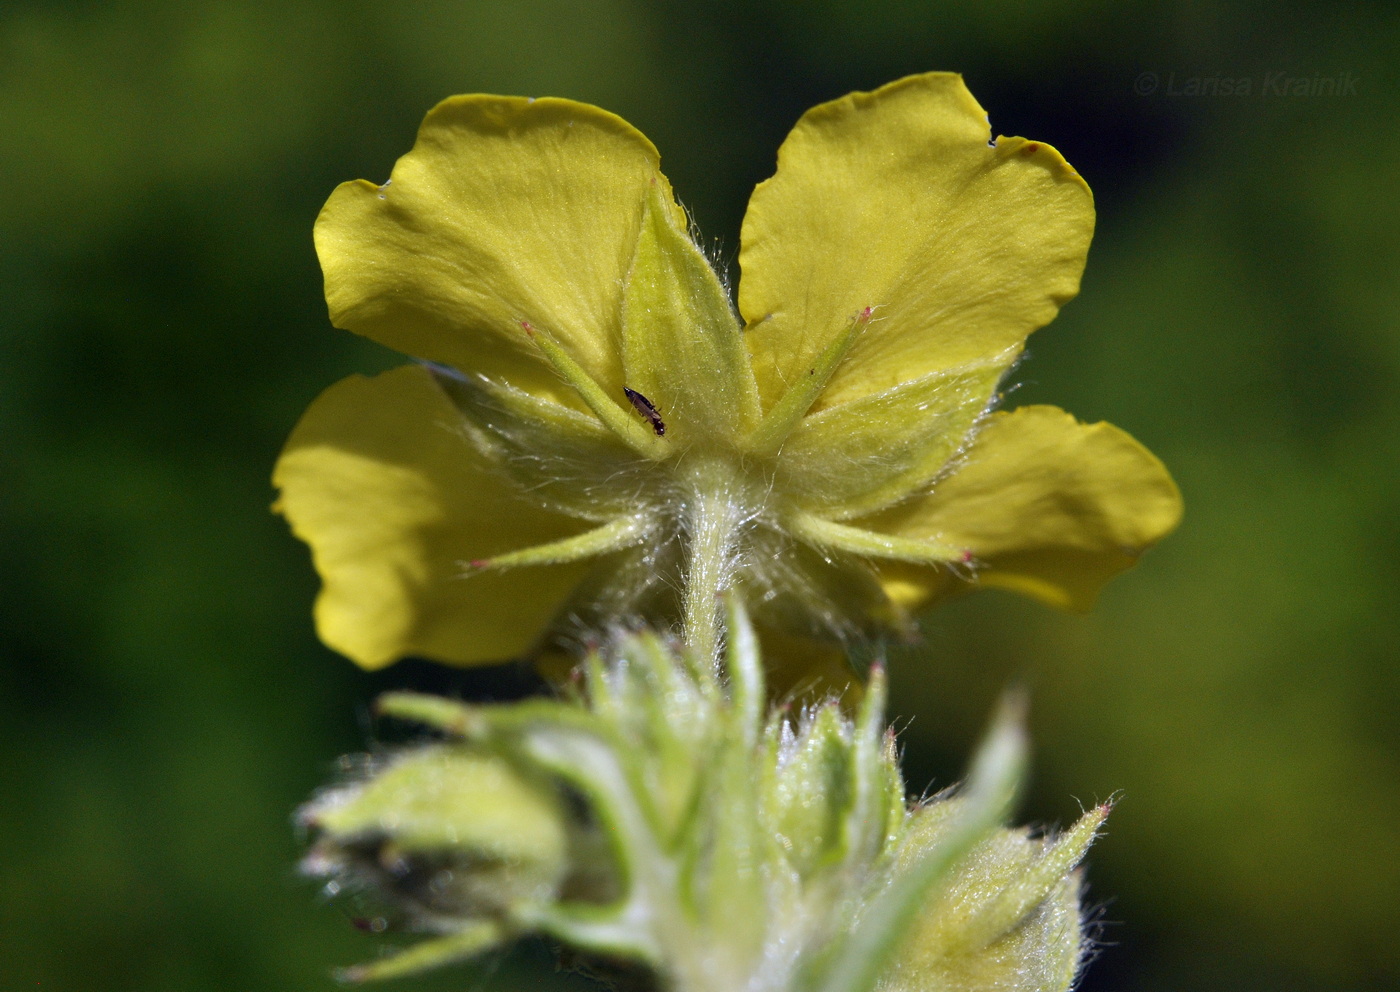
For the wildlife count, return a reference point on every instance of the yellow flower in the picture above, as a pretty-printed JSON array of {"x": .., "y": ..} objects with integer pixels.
[{"x": 599, "y": 435}]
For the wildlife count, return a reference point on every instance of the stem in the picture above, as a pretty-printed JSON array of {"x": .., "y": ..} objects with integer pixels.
[{"x": 711, "y": 531}]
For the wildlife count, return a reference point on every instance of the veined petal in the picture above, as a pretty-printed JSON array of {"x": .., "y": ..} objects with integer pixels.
[
  {"x": 1045, "y": 506},
  {"x": 896, "y": 200},
  {"x": 381, "y": 480},
  {"x": 505, "y": 210},
  {"x": 861, "y": 456},
  {"x": 682, "y": 345}
]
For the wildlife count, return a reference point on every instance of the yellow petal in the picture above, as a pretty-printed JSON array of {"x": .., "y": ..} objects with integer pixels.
[
  {"x": 505, "y": 210},
  {"x": 380, "y": 479},
  {"x": 1043, "y": 504},
  {"x": 683, "y": 348},
  {"x": 803, "y": 670},
  {"x": 896, "y": 200}
]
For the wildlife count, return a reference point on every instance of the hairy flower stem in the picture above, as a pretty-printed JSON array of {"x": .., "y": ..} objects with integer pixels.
[{"x": 711, "y": 529}]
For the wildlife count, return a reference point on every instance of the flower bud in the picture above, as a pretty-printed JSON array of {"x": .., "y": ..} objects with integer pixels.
[
  {"x": 1009, "y": 918},
  {"x": 446, "y": 833}
]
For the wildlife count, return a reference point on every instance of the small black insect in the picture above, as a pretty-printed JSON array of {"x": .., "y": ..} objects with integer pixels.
[{"x": 645, "y": 407}]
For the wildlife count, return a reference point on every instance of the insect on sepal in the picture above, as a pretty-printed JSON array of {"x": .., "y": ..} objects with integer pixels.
[
  {"x": 596, "y": 398},
  {"x": 647, "y": 409}
]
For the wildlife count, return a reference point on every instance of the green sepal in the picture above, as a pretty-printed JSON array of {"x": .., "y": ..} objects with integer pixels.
[
  {"x": 565, "y": 458},
  {"x": 683, "y": 346},
  {"x": 855, "y": 962},
  {"x": 866, "y": 454}
]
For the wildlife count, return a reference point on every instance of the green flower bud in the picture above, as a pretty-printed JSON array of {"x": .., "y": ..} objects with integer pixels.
[
  {"x": 458, "y": 841},
  {"x": 1009, "y": 919},
  {"x": 810, "y": 794}
]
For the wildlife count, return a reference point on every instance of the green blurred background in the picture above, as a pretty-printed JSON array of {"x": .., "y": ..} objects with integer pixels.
[{"x": 165, "y": 704}]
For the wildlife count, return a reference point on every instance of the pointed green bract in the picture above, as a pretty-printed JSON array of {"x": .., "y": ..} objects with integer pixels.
[
  {"x": 874, "y": 544},
  {"x": 613, "y": 536},
  {"x": 563, "y": 457},
  {"x": 472, "y": 939},
  {"x": 447, "y": 716},
  {"x": 603, "y": 404},
  {"x": 439, "y": 799},
  {"x": 682, "y": 345},
  {"x": 863, "y": 455},
  {"x": 802, "y": 390}
]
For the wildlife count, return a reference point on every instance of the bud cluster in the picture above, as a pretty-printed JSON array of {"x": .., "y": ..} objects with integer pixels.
[{"x": 662, "y": 817}]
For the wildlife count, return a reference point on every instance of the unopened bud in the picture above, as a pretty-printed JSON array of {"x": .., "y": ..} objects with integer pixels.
[
  {"x": 1010, "y": 917},
  {"x": 445, "y": 833}
]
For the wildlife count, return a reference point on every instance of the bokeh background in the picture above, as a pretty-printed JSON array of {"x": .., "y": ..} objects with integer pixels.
[{"x": 164, "y": 704}]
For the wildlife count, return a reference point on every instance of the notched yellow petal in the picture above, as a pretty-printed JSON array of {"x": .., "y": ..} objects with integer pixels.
[
  {"x": 1046, "y": 505},
  {"x": 506, "y": 209},
  {"x": 392, "y": 496},
  {"x": 898, "y": 199},
  {"x": 682, "y": 345}
]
